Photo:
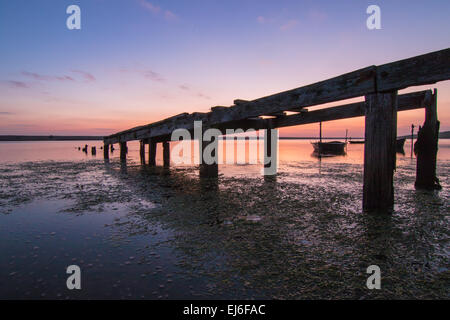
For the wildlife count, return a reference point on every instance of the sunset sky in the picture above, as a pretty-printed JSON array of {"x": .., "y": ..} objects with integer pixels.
[{"x": 137, "y": 61}]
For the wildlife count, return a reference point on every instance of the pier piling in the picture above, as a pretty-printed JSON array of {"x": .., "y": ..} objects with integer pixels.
[
  {"x": 270, "y": 151},
  {"x": 426, "y": 148},
  {"x": 379, "y": 150},
  {"x": 123, "y": 151},
  {"x": 142, "y": 151},
  {"x": 106, "y": 151},
  {"x": 209, "y": 170},
  {"x": 166, "y": 154},
  {"x": 152, "y": 153}
]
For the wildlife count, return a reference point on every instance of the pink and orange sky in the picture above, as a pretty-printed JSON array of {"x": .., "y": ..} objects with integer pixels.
[{"x": 137, "y": 61}]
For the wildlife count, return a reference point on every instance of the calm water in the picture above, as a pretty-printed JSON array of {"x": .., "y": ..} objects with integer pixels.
[{"x": 153, "y": 233}]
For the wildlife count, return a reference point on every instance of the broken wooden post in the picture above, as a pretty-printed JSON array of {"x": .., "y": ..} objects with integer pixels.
[
  {"x": 106, "y": 151},
  {"x": 270, "y": 150},
  {"x": 152, "y": 153},
  {"x": 123, "y": 150},
  {"x": 379, "y": 150},
  {"x": 426, "y": 148},
  {"x": 142, "y": 151},
  {"x": 166, "y": 154},
  {"x": 209, "y": 170}
]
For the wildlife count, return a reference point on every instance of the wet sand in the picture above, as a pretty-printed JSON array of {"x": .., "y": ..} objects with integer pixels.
[{"x": 154, "y": 233}]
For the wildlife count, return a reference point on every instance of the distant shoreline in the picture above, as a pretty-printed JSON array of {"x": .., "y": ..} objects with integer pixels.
[
  {"x": 5, "y": 138},
  {"x": 48, "y": 138}
]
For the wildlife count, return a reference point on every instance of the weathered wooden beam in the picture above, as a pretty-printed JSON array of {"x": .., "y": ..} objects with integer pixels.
[
  {"x": 240, "y": 101},
  {"x": 407, "y": 101},
  {"x": 379, "y": 151},
  {"x": 424, "y": 69},
  {"x": 152, "y": 152},
  {"x": 349, "y": 85},
  {"x": 426, "y": 148},
  {"x": 166, "y": 154},
  {"x": 123, "y": 151},
  {"x": 218, "y": 108},
  {"x": 142, "y": 151}
]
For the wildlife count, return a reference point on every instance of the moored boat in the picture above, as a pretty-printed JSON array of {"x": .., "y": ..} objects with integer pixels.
[{"x": 332, "y": 147}]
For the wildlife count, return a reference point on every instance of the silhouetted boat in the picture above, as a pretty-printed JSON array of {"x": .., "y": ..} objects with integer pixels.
[
  {"x": 329, "y": 148},
  {"x": 332, "y": 147}
]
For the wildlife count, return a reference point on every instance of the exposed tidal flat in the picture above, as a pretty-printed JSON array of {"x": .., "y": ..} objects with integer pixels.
[{"x": 154, "y": 233}]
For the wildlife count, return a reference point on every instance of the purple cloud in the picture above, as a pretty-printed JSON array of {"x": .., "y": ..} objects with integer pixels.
[
  {"x": 156, "y": 10},
  {"x": 288, "y": 25},
  {"x": 149, "y": 74},
  {"x": 41, "y": 77},
  {"x": 17, "y": 84},
  {"x": 86, "y": 75},
  {"x": 183, "y": 87}
]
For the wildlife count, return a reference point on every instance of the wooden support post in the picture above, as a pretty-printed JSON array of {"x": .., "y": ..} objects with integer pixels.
[
  {"x": 152, "y": 153},
  {"x": 93, "y": 151},
  {"x": 166, "y": 154},
  {"x": 106, "y": 151},
  {"x": 426, "y": 148},
  {"x": 270, "y": 150},
  {"x": 209, "y": 170},
  {"x": 142, "y": 151},
  {"x": 379, "y": 150},
  {"x": 123, "y": 151}
]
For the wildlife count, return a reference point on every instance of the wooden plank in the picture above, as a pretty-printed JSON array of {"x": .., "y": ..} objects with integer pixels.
[
  {"x": 379, "y": 151},
  {"x": 424, "y": 69},
  {"x": 419, "y": 70},
  {"x": 349, "y": 85},
  {"x": 407, "y": 101}
]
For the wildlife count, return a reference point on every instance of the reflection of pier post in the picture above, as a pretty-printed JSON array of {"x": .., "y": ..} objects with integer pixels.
[
  {"x": 426, "y": 147},
  {"x": 379, "y": 150}
]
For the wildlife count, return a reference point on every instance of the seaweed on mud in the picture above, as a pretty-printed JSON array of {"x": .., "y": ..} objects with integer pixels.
[{"x": 299, "y": 235}]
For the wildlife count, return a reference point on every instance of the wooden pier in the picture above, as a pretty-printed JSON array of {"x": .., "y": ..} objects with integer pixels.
[{"x": 378, "y": 84}]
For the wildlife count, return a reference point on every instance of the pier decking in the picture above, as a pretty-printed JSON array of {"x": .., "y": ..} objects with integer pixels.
[{"x": 378, "y": 84}]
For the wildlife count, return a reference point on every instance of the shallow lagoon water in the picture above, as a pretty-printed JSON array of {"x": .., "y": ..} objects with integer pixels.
[{"x": 155, "y": 233}]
